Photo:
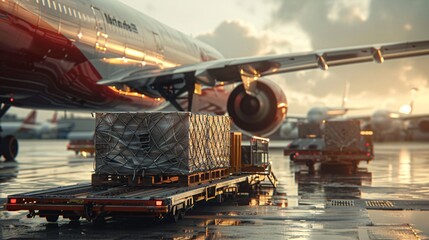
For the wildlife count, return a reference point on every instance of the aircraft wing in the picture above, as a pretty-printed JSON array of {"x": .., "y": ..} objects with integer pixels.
[
  {"x": 400, "y": 116},
  {"x": 296, "y": 118},
  {"x": 415, "y": 117},
  {"x": 236, "y": 70}
]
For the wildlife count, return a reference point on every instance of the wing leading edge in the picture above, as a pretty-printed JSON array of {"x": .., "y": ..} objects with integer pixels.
[{"x": 237, "y": 70}]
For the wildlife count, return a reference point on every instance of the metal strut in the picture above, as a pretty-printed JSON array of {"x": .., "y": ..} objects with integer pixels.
[
  {"x": 3, "y": 110},
  {"x": 171, "y": 90}
]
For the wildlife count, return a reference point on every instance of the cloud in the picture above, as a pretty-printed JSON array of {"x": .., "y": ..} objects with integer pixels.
[
  {"x": 336, "y": 23},
  {"x": 239, "y": 39},
  {"x": 343, "y": 23},
  {"x": 234, "y": 39},
  {"x": 349, "y": 11}
]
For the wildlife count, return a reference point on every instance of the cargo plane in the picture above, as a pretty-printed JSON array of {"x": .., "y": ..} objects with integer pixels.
[{"x": 99, "y": 55}]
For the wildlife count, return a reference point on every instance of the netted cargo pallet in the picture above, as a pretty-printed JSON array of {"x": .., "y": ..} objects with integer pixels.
[
  {"x": 342, "y": 136},
  {"x": 157, "y": 180},
  {"x": 309, "y": 130},
  {"x": 161, "y": 143}
]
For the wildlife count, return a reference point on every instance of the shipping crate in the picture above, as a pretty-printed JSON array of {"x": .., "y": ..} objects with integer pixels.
[
  {"x": 309, "y": 130},
  {"x": 160, "y": 143},
  {"x": 342, "y": 136}
]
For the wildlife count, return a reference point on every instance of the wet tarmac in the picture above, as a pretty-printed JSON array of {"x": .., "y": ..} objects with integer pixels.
[{"x": 385, "y": 199}]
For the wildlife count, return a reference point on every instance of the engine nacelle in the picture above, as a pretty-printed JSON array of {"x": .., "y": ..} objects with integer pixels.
[
  {"x": 423, "y": 125},
  {"x": 261, "y": 113}
]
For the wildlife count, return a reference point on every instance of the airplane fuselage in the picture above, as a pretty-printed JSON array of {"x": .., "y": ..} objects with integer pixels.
[{"x": 53, "y": 53}]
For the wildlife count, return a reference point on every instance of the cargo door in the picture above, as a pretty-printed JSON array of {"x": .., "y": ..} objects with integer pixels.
[{"x": 101, "y": 33}]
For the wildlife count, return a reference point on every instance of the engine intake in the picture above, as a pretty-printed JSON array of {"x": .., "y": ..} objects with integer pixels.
[{"x": 261, "y": 113}]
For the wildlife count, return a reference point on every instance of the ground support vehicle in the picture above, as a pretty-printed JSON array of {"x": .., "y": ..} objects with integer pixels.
[
  {"x": 82, "y": 143},
  {"x": 97, "y": 203},
  {"x": 333, "y": 142},
  {"x": 159, "y": 198}
]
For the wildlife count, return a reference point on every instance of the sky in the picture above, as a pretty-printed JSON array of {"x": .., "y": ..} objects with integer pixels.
[{"x": 255, "y": 27}]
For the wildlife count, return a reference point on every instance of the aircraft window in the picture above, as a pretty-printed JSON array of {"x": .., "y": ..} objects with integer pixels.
[
  {"x": 70, "y": 12},
  {"x": 55, "y": 5},
  {"x": 43, "y": 2},
  {"x": 60, "y": 8},
  {"x": 49, "y": 3},
  {"x": 74, "y": 13},
  {"x": 37, "y": 1},
  {"x": 65, "y": 9}
]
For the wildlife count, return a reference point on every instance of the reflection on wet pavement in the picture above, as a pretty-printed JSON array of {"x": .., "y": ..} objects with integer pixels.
[{"x": 298, "y": 208}]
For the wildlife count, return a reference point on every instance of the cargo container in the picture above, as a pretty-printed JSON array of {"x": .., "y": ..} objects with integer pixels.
[{"x": 159, "y": 143}]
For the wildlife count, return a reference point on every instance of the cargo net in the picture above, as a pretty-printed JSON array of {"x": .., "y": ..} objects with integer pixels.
[
  {"x": 309, "y": 130},
  {"x": 160, "y": 143},
  {"x": 342, "y": 136}
]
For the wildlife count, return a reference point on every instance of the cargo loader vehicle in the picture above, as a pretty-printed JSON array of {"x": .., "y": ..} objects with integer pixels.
[
  {"x": 155, "y": 165},
  {"x": 333, "y": 142}
]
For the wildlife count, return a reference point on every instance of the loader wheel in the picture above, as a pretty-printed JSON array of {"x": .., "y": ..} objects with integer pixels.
[
  {"x": 310, "y": 165},
  {"x": 9, "y": 148},
  {"x": 174, "y": 218},
  {"x": 52, "y": 218}
]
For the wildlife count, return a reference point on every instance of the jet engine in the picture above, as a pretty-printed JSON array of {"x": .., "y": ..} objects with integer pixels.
[{"x": 261, "y": 112}]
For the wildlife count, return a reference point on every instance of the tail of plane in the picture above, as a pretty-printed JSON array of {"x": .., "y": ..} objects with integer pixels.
[
  {"x": 346, "y": 94},
  {"x": 31, "y": 118},
  {"x": 413, "y": 97},
  {"x": 343, "y": 110},
  {"x": 29, "y": 122},
  {"x": 408, "y": 109},
  {"x": 54, "y": 119}
]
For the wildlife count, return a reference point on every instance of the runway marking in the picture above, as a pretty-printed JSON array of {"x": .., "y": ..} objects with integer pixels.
[{"x": 379, "y": 204}]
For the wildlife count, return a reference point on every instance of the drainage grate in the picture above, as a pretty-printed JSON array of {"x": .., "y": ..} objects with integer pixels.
[
  {"x": 343, "y": 203},
  {"x": 379, "y": 204},
  {"x": 387, "y": 232}
]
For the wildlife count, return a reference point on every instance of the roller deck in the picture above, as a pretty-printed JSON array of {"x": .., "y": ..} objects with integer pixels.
[
  {"x": 95, "y": 203},
  {"x": 159, "y": 197}
]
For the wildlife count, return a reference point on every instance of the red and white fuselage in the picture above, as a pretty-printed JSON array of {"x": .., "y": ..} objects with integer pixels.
[{"x": 53, "y": 53}]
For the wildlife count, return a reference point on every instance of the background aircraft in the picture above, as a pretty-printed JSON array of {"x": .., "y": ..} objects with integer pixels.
[
  {"x": 396, "y": 125},
  {"x": 30, "y": 128},
  {"x": 105, "y": 56},
  {"x": 47, "y": 129},
  {"x": 289, "y": 129},
  {"x": 19, "y": 127}
]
